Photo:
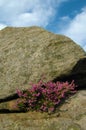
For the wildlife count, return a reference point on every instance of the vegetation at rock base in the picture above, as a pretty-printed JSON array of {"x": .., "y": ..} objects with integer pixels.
[{"x": 44, "y": 96}]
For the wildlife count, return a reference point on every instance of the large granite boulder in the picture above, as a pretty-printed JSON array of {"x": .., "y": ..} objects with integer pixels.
[
  {"x": 25, "y": 55},
  {"x": 28, "y": 53},
  {"x": 69, "y": 116}
]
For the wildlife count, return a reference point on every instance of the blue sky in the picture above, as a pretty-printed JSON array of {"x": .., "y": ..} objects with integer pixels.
[{"x": 67, "y": 17}]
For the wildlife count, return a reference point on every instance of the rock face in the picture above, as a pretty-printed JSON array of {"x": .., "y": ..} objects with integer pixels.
[
  {"x": 69, "y": 116},
  {"x": 78, "y": 73},
  {"x": 28, "y": 53},
  {"x": 25, "y": 55}
]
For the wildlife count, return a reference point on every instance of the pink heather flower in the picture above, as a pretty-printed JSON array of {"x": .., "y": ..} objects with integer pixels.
[
  {"x": 25, "y": 95},
  {"x": 44, "y": 108},
  {"x": 50, "y": 95},
  {"x": 60, "y": 86},
  {"x": 38, "y": 94},
  {"x": 51, "y": 109},
  {"x": 57, "y": 102},
  {"x": 62, "y": 95},
  {"x": 19, "y": 92},
  {"x": 15, "y": 106}
]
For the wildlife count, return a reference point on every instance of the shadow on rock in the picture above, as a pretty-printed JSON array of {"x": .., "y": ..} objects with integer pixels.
[
  {"x": 9, "y": 98},
  {"x": 78, "y": 74},
  {"x": 7, "y": 111}
]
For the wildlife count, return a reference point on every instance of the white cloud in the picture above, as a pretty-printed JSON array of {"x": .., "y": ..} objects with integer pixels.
[
  {"x": 76, "y": 29},
  {"x": 2, "y": 26},
  {"x": 41, "y": 12},
  {"x": 39, "y": 17},
  {"x": 27, "y": 12}
]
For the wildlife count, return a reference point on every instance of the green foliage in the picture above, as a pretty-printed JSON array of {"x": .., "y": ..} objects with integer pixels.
[{"x": 44, "y": 96}]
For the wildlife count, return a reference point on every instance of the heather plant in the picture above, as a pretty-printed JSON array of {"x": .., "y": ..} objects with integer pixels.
[{"x": 44, "y": 96}]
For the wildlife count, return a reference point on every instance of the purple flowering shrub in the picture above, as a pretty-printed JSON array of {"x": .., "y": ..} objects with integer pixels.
[{"x": 44, "y": 96}]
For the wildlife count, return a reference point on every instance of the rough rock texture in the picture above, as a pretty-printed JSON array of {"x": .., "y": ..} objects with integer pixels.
[
  {"x": 25, "y": 55},
  {"x": 78, "y": 73},
  {"x": 71, "y": 115},
  {"x": 28, "y": 53}
]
